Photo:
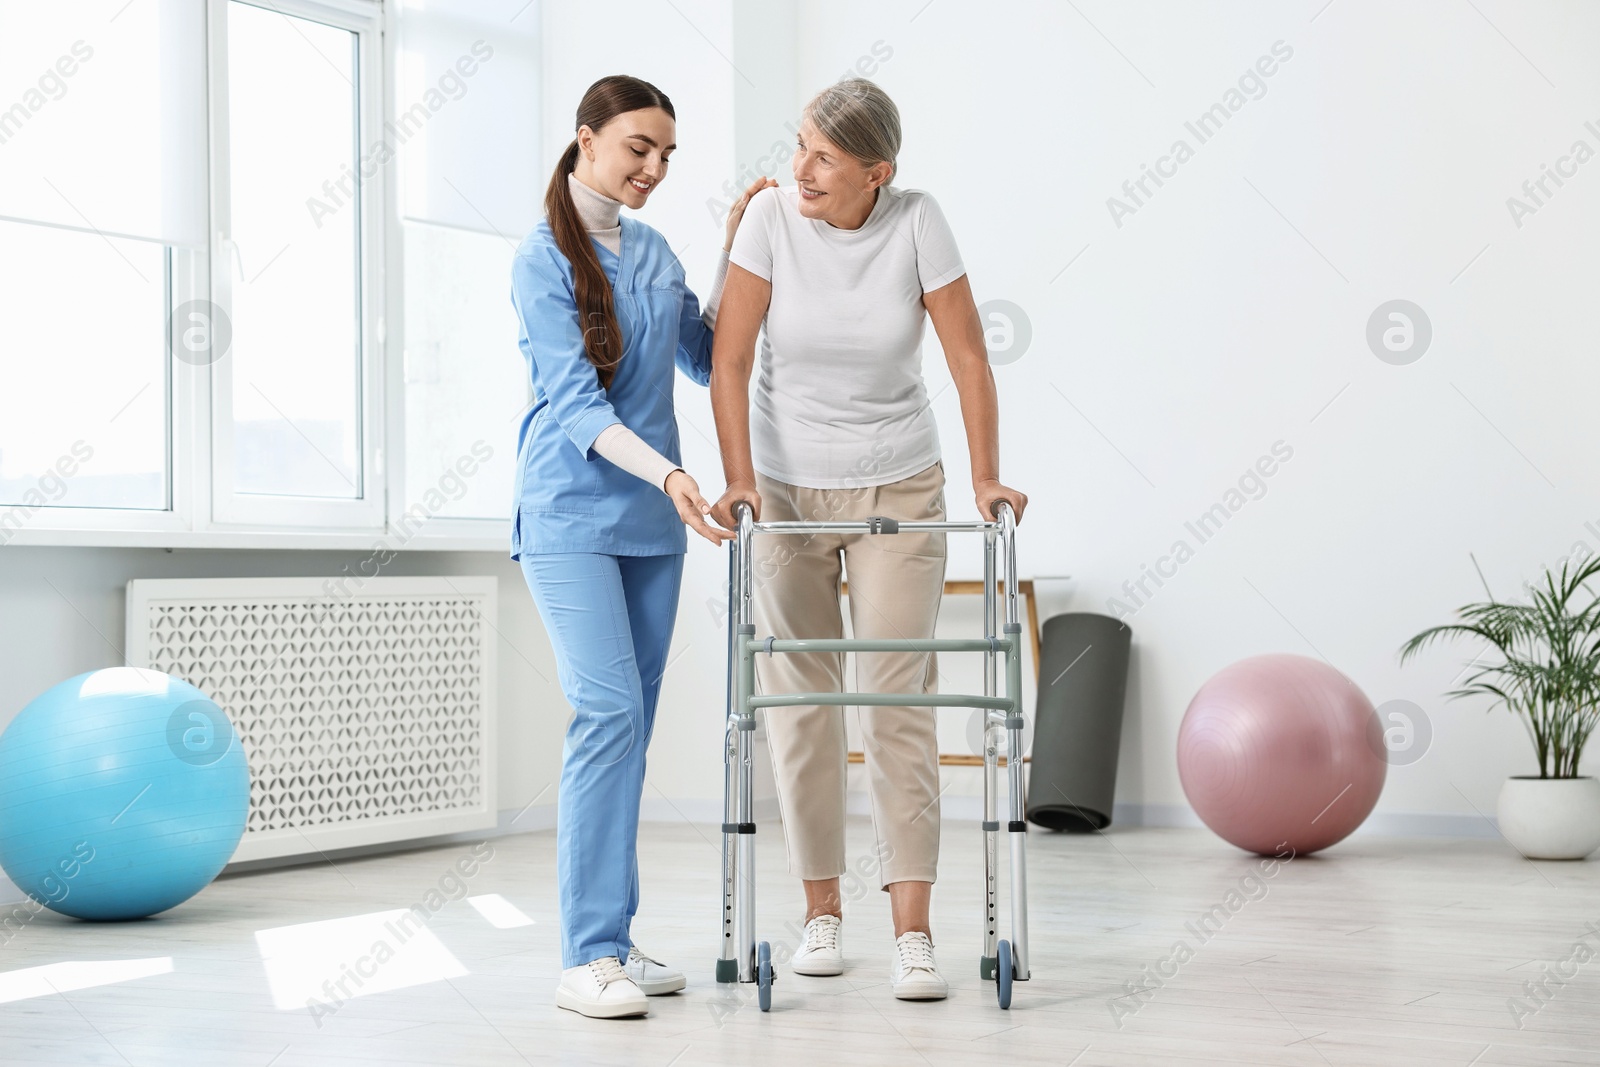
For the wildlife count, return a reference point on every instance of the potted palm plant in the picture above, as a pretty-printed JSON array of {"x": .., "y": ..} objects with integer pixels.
[{"x": 1548, "y": 675}]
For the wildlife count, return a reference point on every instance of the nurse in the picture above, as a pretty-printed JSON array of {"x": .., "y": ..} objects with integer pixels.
[{"x": 602, "y": 506}]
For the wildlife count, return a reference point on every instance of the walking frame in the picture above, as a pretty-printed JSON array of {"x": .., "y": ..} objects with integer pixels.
[{"x": 742, "y": 958}]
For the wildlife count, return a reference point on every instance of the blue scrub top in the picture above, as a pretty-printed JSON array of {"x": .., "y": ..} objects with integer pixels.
[{"x": 568, "y": 497}]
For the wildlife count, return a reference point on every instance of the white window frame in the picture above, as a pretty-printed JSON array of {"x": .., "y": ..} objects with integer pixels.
[
  {"x": 230, "y": 507},
  {"x": 183, "y": 397},
  {"x": 497, "y": 531},
  {"x": 204, "y": 510}
]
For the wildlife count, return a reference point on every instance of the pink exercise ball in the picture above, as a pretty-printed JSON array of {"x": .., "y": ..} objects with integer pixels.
[{"x": 1274, "y": 754}]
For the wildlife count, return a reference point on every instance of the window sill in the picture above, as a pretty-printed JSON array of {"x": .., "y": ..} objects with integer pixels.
[{"x": 494, "y": 537}]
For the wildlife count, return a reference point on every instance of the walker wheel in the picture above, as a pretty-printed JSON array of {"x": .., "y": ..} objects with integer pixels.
[
  {"x": 764, "y": 975},
  {"x": 1003, "y": 974}
]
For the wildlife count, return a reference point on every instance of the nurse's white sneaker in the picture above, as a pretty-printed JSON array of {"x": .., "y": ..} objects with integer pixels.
[
  {"x": 600, "y": 990},
  {"x": 821, "y": 954},
  {"x": 915, "y": 976},
  {"x": 652, "y": 976}
]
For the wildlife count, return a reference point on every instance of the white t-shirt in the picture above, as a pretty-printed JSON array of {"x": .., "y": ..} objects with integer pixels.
[{"x": 839, "y": 400}]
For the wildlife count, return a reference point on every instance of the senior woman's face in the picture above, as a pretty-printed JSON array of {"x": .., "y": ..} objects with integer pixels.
[{"x": 834, "y": 185}]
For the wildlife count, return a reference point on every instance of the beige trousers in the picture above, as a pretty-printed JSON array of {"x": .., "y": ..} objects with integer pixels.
[{"x": 896, "y": 582}]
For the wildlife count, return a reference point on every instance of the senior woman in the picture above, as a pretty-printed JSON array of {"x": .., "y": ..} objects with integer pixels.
[{"x": 843, "y": 270}]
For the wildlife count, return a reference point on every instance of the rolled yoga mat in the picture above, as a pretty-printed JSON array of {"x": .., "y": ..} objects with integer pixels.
[{"x": 1083, "y": 678}]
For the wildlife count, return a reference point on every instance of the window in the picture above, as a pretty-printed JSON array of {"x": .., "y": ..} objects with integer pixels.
[
  {"x": 465, "y": 386},
  {"x": 292, "y": 391},
  {"x": 249, "y": 297},
  {"x": 295, "y": 247},
  {"x": 471, "y": 186},
  {"x": 84, "y": 408},
  {"x": 100, "y": 104},
  {"x": 297, "y": 233}
]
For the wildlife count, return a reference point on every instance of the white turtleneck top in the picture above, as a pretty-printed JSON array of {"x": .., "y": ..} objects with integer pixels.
[
  {"x": 601, "y": 215},
  {"x": 602, "y": 218}
]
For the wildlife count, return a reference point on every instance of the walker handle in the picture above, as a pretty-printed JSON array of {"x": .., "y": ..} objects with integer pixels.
[
  {"x": 1006, "y": 517},
  {"x": 744, "y": 519}
]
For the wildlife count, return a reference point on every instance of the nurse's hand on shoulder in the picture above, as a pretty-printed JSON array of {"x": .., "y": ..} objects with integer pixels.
[
  {"x": 692, "y": 507},
  {"x": 737, "y": 491},
  {"x": 989, "y": 492},
  {"x": 737, "y": 211}
]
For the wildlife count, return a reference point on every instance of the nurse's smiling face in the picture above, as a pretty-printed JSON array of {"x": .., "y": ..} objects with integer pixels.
[
  {"x": 627, "y": 157},
  {"x": 835, "y": 187}
]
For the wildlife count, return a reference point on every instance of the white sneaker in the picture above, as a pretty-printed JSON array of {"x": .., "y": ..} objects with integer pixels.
[
  {"x": 821, "y": 954},
  {"x": 652, "y": 976},
  {"x": 600, "y": 990},
  {"x": 915, "y": 976}
]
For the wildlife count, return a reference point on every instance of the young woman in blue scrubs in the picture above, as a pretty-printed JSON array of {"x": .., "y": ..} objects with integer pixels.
[{"x": 602, "y": 504}]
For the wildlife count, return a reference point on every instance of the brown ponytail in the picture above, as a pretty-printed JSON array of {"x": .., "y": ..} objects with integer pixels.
[{"x": 602, "y": 335}]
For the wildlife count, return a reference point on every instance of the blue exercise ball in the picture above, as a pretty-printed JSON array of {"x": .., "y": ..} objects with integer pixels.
[{"x": 123, "y": 792}]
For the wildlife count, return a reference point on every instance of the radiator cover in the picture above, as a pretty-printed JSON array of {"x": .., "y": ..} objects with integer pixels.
[{"x": 366, "y": 707}]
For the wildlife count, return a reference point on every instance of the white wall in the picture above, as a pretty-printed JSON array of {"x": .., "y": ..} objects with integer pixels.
[
  {"x": 1219, "y": 318},
  {"x": 1229, "y": 312}
]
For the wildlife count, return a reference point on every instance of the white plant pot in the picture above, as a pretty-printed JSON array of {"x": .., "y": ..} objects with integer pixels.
[{"x": 1551, "y": 818}]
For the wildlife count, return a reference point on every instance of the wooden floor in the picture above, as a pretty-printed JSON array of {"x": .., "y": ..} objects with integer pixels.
[{"x": 1381, "y": 951}]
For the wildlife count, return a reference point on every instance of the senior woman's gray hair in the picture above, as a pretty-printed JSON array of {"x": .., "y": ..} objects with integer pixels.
[{"x": 860, "y": 118}]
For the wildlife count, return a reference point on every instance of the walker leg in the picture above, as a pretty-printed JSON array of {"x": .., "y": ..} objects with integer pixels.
[
  {"x": 1018, "y": 827},
  {"x": 744, "y": 828},
  {"x": 991, "y": 826},
  {"x": 1017, "y": 832},
  {"x": 728, "y": 957},
  {"x": 744, "y": 902},
  {"x": 736, "y": 960}
]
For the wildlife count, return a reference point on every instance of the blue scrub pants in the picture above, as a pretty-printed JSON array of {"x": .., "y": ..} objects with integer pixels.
[{"x": 610, "y": 620}]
